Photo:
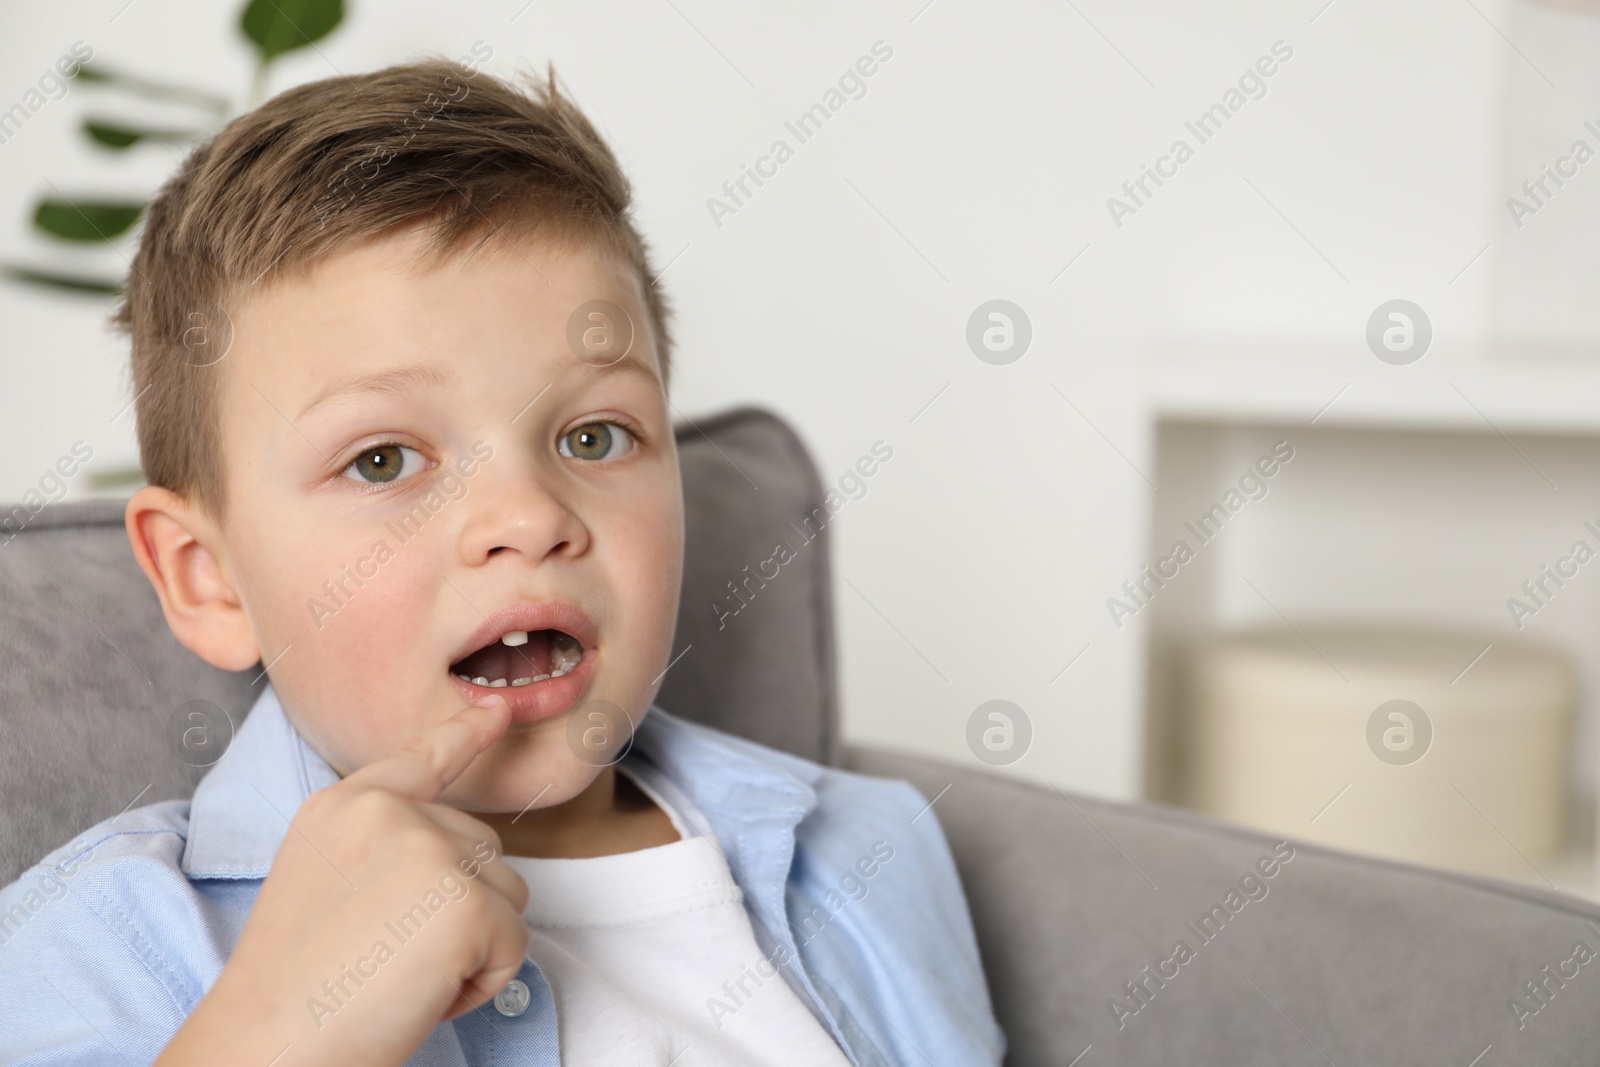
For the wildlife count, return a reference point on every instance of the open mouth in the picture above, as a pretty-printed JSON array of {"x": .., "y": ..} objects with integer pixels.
[{"x": 521, "y": 657}]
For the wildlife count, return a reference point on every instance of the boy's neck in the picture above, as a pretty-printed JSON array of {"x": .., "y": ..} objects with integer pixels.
[{"x": 612, "y": 815}]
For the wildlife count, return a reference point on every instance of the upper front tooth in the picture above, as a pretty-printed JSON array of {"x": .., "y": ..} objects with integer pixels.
[{"x": 514, "y": 638}]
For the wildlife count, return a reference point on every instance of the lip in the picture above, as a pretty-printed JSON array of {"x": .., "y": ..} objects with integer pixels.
[{"x": 540, "y": 700}]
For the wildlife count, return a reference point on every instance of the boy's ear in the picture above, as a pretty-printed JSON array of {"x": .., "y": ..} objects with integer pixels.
[{"x": 177, "y": 547}]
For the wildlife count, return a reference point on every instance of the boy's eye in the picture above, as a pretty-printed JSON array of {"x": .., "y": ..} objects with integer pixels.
[
  {"x": 384, "y": 463},
  {"x": 596, "y": 440}
]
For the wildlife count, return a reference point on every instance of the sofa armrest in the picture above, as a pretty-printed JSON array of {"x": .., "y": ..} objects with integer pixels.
[{"x": 1079, "y": 906}]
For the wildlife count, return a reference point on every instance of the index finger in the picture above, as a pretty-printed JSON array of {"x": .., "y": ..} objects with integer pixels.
[{"x": 430, "y": 761}]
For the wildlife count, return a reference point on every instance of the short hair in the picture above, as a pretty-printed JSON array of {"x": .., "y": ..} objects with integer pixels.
[{"x": 327, "y": 165}]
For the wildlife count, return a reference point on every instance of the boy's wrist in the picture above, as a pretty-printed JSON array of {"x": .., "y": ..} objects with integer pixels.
[{"x": 240, "y": 1024}]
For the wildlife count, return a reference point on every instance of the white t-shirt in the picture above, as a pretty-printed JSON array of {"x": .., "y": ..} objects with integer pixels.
[{"x": 653, "y": 961}]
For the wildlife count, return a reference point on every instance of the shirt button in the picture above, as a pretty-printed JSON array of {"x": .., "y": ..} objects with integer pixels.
[{"x": 514, "y": 999}]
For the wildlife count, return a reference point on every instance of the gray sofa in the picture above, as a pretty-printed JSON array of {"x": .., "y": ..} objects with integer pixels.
[{"x": 1317, "y": 957}]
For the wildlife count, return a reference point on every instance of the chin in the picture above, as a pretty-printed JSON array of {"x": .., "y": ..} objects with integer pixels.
[{"x": 522, "y": 768}]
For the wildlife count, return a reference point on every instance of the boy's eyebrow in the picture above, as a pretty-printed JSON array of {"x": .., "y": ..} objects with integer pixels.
[
  {"x": 396, "y": 382},
  {"x": 630, "y": 365},
  {"x": 401, "y": 380}
]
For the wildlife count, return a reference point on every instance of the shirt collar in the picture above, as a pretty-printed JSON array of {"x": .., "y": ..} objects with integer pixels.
[
  {"x": 242, "y": 807},
  {"x": 753, "y": 796}
]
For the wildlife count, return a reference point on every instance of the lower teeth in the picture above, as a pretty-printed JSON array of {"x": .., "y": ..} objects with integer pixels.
[{"x": 563, "y": 656}]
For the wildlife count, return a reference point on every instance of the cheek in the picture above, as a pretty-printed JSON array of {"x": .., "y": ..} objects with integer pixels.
[
  {"x": 367, "y": 619},
  {"x": 643, "y": 558},
  {"x": 347, "y": 613},
  {"x": 655, "y": 562}
]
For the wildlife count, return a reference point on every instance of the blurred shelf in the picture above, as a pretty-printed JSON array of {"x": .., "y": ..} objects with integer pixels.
[{"x": 1472, "y": 390}]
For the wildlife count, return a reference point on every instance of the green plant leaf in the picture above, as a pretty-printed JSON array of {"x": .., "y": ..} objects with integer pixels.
[
  {"x": 68, "y": 282},
  {"x": 148, "y": 87},
  {"x": 86, "y": 220},
  {"x": 116, "y": 478},
  {"x": 279, "y": 26},
  {"x": 111, "y": 136},
  {"x": 116, "y": 135}
]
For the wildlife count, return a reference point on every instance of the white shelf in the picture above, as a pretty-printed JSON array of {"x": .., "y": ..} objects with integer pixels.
[
  {"x": 1471, "y": 390},
  {"x": 1504, "y": 520}
]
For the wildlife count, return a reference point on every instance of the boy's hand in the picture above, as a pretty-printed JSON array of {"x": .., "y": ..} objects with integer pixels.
[{"x": 359, "y": 857}]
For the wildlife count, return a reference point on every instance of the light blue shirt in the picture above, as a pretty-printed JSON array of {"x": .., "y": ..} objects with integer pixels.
[{"x": 110, "y": 942}]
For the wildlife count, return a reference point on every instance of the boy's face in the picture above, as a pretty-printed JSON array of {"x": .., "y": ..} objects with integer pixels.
[{"x": 374, "y": 536}]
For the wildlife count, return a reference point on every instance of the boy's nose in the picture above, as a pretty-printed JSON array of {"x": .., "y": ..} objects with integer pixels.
[{"x": 515, "y": 510}]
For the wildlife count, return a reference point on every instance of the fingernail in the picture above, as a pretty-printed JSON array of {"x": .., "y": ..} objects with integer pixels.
[{"x": 489, "y": 701}]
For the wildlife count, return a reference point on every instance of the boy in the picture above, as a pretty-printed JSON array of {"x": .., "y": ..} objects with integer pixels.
[{"x": 454, "y": 829}]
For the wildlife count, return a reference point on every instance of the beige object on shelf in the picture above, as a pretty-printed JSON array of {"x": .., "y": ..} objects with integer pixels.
[{"x": 1384, "y": 740}]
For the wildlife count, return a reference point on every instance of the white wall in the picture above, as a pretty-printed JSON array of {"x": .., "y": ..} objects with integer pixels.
[{"x": 990, "y": 141}]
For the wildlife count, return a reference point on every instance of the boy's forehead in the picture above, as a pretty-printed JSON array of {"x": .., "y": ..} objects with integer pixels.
[
  {"x": 567, "y": 268},
  {"x": 389, "y": 315}
]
